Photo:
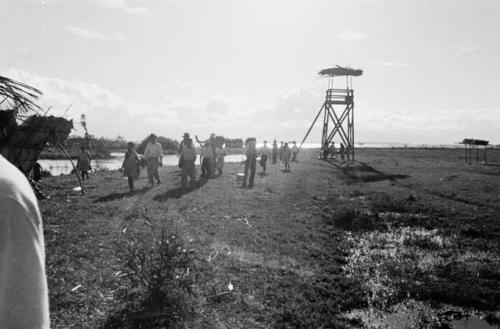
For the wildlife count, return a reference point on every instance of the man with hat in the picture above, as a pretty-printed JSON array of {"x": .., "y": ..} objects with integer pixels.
[
  {"x": 264, "y": 153},
  {"x": 23, "y": 284},
  {"x": 184, "y": 141},
  {"x": 250, "y": 164},
  {"x": 187, "y": 159},
  {"x": 154, "y": 156}
]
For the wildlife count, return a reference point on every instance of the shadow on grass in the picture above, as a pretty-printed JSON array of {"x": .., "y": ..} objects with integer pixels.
[
  {"x": 361, "y": 172},
  {"x": 178, "y": 192},
  {"x": 144, "y": 314},
  {"x": 122, "y": 195},
  {"x": 456, "y": 198}
]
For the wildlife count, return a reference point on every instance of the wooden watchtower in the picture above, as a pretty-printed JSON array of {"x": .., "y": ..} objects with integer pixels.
[{"x": 338, "y": 110}]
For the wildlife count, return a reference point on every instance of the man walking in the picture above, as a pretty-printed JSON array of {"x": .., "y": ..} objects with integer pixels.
[
  {"x": 275, "y": 151},
  {"x": 264, "y": 153},
  {"x": 206, "y": 158},
  {"x": 295, "y": 150},
  {"x": 250, "y": 163},
  {"x": 187, "y": 159},
  {"x": 153, "y": 155}
]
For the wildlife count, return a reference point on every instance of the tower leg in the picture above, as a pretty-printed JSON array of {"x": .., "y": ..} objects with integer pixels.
[{"x": 312, "y": 125}]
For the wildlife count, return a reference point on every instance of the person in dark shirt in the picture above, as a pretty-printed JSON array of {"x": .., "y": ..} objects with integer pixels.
[{"x": 250, "y": 164}]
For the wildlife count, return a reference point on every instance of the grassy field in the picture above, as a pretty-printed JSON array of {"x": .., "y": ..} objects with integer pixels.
[{"x": 407, "y": 232}]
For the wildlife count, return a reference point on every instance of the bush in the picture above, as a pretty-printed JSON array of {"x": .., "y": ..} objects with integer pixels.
[{"x": 158, "y": 281}]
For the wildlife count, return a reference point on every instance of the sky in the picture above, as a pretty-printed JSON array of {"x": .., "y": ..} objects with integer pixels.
[{"x": 249, "y": 68}]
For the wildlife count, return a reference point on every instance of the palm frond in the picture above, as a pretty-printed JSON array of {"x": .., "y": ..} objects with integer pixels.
[{"x": 15, "y": 95}]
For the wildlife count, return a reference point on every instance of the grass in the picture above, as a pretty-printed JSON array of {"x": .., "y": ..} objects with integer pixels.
[{"x": 300, "y": 250}]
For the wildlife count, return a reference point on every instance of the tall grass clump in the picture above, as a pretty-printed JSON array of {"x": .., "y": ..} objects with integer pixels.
[{"x": 158, "y": 281}]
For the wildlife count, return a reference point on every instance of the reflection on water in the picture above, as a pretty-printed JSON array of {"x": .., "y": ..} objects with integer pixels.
[{"x": 63, "y": 167}]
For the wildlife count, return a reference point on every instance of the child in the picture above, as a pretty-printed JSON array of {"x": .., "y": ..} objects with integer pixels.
[
  {"x": 83, "y": 164},
  {"x": 130, "y": 165}
]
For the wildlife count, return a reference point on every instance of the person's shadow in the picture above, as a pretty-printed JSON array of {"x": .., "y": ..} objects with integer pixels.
[{"x": 178, "y": 192}]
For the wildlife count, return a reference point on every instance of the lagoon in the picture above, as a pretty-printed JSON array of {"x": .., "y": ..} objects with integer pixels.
[{"x": 64, "y": 167}]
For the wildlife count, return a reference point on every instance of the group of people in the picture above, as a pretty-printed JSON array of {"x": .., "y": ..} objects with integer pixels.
[
  {"x": 211, "y": 160},
  {"x": 285, "y": 153},
  {"x": 212, "y": 156},
  {"x": 330, "y": 152}
]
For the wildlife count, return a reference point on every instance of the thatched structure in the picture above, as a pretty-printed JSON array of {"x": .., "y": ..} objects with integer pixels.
[
  {"x": 32, "y": 132},
  {"x": 338, "y": 71},
  {"x": 33, "y": 135},
  {"x": 477, "y": 142},
  {"x": 471, "y": 145}
]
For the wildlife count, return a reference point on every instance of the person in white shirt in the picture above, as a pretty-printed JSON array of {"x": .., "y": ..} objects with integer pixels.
[
  {"x": 264, "y": 154},
  {"x": 187, "y": 159},
  {"x": 154, "y": 157},
  {"x": 23, "y": 282}
]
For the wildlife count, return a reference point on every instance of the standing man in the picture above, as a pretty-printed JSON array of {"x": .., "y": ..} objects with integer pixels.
[
  {"x": 275, "y": 151},
  {"x": 154, "y": 157},
  {"x": 206, "y": 158},
  {"x": 250, "y": 163},
  {"x": 213, "y": 145},
  {"x": 220, "y": 154},
  {"x": 342, "y": 152},
  {"x": 187, "y": 159},
  {"x": 287, "y": 154},
  {"x": 264, "y": 153},
  {"x": 282, "y": 147},
  {"x": 325, "y": 150},
  {"x": 184, "y": 141},
  {"x": 23, "y": 284},
  {"x": 295, "y": 150},
  {"x": 333, "y": 151}
]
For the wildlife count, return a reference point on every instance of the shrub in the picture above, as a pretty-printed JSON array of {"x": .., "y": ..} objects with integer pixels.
[{"x": 158, "y": 281}]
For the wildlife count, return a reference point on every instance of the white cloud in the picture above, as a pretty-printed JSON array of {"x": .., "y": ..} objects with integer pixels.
[
  {"x": 350, "y": 36},
  {"x": 121, "y": 5},
  {"x": 118, "y": 36},
  {"x": 95, "y": 35},
  {"x": 187, "y": 107},
  {"x": 467, "y": 49},
  {"x": 85, "y": 33}
]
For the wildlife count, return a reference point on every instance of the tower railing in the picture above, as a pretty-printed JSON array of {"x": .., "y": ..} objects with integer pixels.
[{"x": 343, "y": 96}]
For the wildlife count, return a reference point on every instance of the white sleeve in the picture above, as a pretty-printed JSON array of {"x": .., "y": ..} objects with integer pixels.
[
  {"x": 147, "y": 151},
  {"x": 23, "y": 283}
]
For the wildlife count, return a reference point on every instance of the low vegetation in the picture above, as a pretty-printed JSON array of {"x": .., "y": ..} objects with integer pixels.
[{"x": 409, "y": 232}]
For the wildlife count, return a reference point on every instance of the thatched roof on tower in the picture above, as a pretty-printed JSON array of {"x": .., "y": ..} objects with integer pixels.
[{"x": 340, "y": 71}]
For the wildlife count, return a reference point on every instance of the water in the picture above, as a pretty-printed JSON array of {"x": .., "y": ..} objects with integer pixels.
[{"x": 63, "y": 167}]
